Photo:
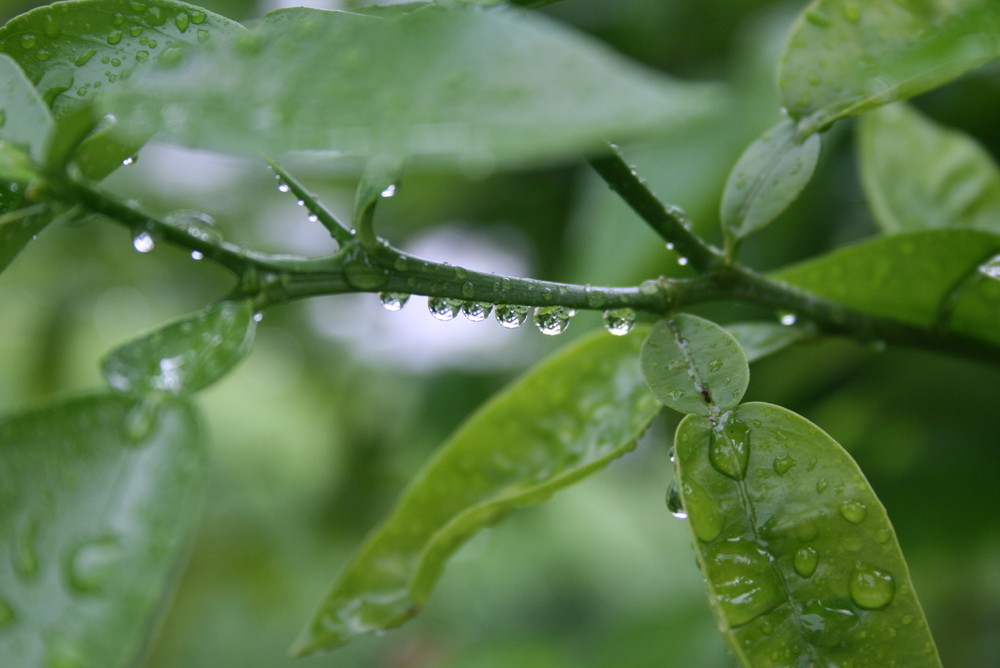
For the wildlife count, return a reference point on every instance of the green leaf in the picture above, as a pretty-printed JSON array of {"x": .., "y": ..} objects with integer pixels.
[
  {"x": 694, "y": 366},
  {"x": 910, "y": 277},
  {"x": 760, "y": 339},
  {"x": 186, "y": 355},
  {"x": 380, "y": 179},
  {"x": 565, "y": 419},
  {"x": 18, "y": 228},
  {"x": 767, "y": 178},
  {"x": 100, "y": 497},
  {"x": 845, "y": 56},
  {"x": 25, "y": 121},
  {"x": 447, "y": 85},
  {"x": 801, "y": 562},
  {"x": 919, "y": 175}
]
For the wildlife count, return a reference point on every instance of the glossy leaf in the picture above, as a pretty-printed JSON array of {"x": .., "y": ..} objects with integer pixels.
[
  {"x": 767, "y": 178},
  {"x": 186, "y": 355},
  {"x": 910, "y": 277},
  {"x": 444, "y": 84},
  {"x": 25, "y": 121},
  {"x": 760, "y": 339},
  {"x": 18, "y": 228},
  {"x": 801, "y": 562},
  {"x": 919, "y": 175},
  {"x": 100, "y": 497},
  {"x": 845, "y": 56},
  {"x": 694, "y": 366},
  {"x": 567, "y": 418},
  {"x": 380, "y": 179}
]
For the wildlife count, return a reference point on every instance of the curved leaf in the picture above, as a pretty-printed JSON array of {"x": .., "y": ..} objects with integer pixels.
[
  {"x": 186, "y": 355},
  {"x": 919, "y": 175},
  {"x": 694, "y": 366},
  {"x": 801, "y": 562},
  {"x": 567, "y": 418},
  {"x": 767, "y": 178},
  {"x": 845, "y": 56},
  {"x": 910, "y": 277},
  {"x": 100, "y": 497},
  {"x": 25, "y": 121},
  {"x": 18, "y": 228},
  {"x": 443, "y": 84}
]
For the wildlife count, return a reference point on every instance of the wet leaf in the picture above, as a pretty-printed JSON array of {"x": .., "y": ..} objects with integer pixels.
[
  {"x": 694, "y": 366},
  {"x": 919, "y": 175},
  {"x": 760, "y": 339},
  {"x": 457, "y": 84},
  {"x": 100, "y": 497},
  {"x": 845, "y": 56},
  {"x": 186, "y": 355},
  {"x": 25, "y": 121},
  {"x": 801, "y": 562},
  {"x": 910, "y": 277},
  {"x": 18, "y": 228},
  {"x": 379, "y": 180},
  {"x": 567, "y": 418},
  {"x": 767, "y": 178}
]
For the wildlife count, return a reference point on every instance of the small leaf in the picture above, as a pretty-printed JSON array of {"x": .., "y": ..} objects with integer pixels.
[
  {"x": 694, "y": 366},
  {"x": 25, "y": 121},
  {"x": 801, "y": 562},
  {"x": 567, "y": 418},
  {"x": 767, "y": 178},
  {"x": 909, "y": 277},
  {"x": 760, "y": 339},
  {"x": 100, "y": 497},
  {"x": 186, "y": 355},
  {"x": 919, "y": 175},
  {"x": 18, "y": 228},
  {"x": 845, "y": 56},
  {"x": 380, "y": 179},
  {"x": 448, "y": 85}
]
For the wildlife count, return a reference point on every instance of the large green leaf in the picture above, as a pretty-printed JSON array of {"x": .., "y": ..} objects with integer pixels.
[
  {"x": 767, "y": 178},
  {"x": 567, "y": 418},
  {"x": 25, "y": 121},
  {"x": 481, "y": 87},
  {"x": 186, "y": 355},
  {"x": 919, "y": 175},
  {"x": 694, "y": 366},
  {"x": 801, "y": 562},
  {"x": 910, "y": 277},
  {"x": 98, "y": 500},
  {"x": 845, "y": 56}
]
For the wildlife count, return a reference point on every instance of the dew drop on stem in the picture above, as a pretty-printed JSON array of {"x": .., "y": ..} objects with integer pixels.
[
  {"x": 511, "y": 316},
  {"x": 619, "y": 322},
  {"x": 477, "y": 311},
  {"x": 443, "y": 308},
  {"x": 393, "y": 301},
  {"x": 143, "y": 242},
  {"x": 553, "y": 320}
]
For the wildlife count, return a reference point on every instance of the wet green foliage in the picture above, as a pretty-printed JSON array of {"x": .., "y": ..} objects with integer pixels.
[{"x": 100, "y": 496}]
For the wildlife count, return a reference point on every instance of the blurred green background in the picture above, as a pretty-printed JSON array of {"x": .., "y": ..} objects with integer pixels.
[{"x": 340, "y": 402}]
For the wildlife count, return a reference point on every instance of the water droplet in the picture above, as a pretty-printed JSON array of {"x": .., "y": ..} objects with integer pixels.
[
  {"x": 92, "y": 564},
  {"x": 744, "y": 580},
  {"x": 142, "y": 56},
  {"x": 883, "y": 535},
  {"x": 477, "y": 311},
  {"x": 182, "y": 21},
  {"x": 853, "y": 511},
  {"x": 197, "y": 17},
  {"x": 7, "y": 614},
  {"x": 670, "y": 245},
  {"x": 729, "y": 449},
  {"x": 129, "y": 161},
  {"x": 649, "y": 287},
  {"x": 511, "y": 316},
  {"x": 284, "y": 187},
  {"x": 114, "y": 37},
  {"x": 143, "y": 242},
  {"x": 871, "y": 588},
  {"x": 674, "y": 503},
  {"x": 203, "y": 35},
  {"x": 28, "y": 41},
  {"x": 393, "y": 301},
  {"x": 257, "y": 317},
  {"x": 821, "y": 485},
  {"x": 443, "y": 309},
  {"x": 85, "y": 57},
  {"x": 43, "y": 55},
  {"x": 361, "y": 273},
  {"x": 682, "y": 261},
  {"x": 783, "y": 464},
  {"x": 787, "y": 319},
  {"x": 197, "y": 256},
  {"x": 825, "y": 623},
  {"x": 619, "y": 321},
  {"x": 389, "y": 191},
  {"x": 553, "y": 320},
  {"x": 805, "y": 561}
]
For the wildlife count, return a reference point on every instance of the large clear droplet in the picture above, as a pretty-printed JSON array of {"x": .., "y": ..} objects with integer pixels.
[
  {"x": 143, "y": 242},
  {"x": 729, "y": 449},
  {"x": 393, "y": 301},
  {"x": 805, "y": 561},
  {"x": 443, "y": 309},
  {"x": 674, "y": 504},
  {"x": 511, "y": 316},
  {"x": 619, "y": 321},
  {"x": 853, "y": 511},
  {"x": 553, "y": 320},
  {"x": 871, "y": 588},
  {"x": 477, "y": 311},
  {"x": 746, "y": 584}
]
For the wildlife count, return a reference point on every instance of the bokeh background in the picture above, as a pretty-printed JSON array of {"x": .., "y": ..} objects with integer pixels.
[{"x": 340, "y": 402}]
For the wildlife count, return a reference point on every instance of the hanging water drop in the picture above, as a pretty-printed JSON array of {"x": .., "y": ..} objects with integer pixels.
[
  {"x": 143, "y": 242},
  {"x": 619, "y": 321},
  {"x": 871, "y": 588},
  {"x": 284, "y": 188},
  {"x": 511, "y": 316},
  {"x": 129, "y": 161},
  {"x": 553, "y": 320},
  {"x": 393, "y": 301},
  {"x": 477, "y": 311},
  {"x": 257, "y": 317},
  {"x": 674, "y": 503},
  {"x": 197, "y": 256},
  {"x": 443, "y": 309},
  {"x": 389, "y": 191}
]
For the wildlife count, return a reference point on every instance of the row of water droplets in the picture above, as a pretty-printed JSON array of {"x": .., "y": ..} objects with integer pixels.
[{"x": 550, "y": 320}]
